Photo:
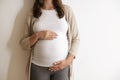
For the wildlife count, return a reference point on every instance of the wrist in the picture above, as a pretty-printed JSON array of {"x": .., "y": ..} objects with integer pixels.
[
  {"x": 69, "y": 59},
  {"x": 39, "y": 35},
  {"x": 36, "y": 35}
]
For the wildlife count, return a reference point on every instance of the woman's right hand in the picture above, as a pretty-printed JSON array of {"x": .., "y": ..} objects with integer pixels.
[
  {"x": 42, "y": 35},
  {"x": 46, "y": 35}
]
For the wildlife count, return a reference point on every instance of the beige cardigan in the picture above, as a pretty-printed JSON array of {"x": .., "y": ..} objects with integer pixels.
[{"x": 72, "y": 35}]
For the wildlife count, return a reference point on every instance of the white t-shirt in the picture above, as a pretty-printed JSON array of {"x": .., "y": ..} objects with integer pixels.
[{"x": 46, "y": 52}]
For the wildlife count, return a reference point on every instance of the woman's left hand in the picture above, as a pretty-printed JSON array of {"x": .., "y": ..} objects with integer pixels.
[
  {"x": 62, "y": 63},
  {"x": 59, "y": 65}
]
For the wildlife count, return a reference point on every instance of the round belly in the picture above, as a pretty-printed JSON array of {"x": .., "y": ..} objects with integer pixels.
[{"x": 46, "y": 52}]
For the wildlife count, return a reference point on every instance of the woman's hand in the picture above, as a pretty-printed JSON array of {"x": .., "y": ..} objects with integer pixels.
[
  {"x": 59, "y": 65},
  {"x": 62, "y": 63},
  {"x": 46, "y": 35}
]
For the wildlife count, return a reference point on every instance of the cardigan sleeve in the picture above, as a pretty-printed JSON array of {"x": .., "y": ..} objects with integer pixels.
[
  {"x": 74, "y": 31},
  {"x": 24, "y": 41}
]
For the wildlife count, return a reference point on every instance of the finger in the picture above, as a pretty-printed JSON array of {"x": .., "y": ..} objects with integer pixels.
[
  {"x": 57, "y": 63},
  {"x": 57, "y": 67},
  {"x": 50, "y": 38},
  {"x": 54, "y": 68},
  {"x": 53, "y": 33},
  {"x": 50, "y": 69}
]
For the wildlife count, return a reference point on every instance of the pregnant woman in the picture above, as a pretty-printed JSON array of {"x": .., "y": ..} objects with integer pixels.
[{"x": 51, "y": 36}]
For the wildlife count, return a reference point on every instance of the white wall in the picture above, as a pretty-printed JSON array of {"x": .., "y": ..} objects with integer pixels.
[
  {"x": 12, "y": 20},
  {"x": 99, "y": 22}
]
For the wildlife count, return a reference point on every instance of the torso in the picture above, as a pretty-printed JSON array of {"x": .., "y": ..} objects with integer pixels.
[{"x": 46, "y": 52}]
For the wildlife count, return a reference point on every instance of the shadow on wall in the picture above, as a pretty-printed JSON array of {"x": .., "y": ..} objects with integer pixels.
[{"x": 18, "y": 59}]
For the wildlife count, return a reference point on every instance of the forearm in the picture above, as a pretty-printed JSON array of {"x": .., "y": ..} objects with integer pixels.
[{"x": 33, "y": 39}]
